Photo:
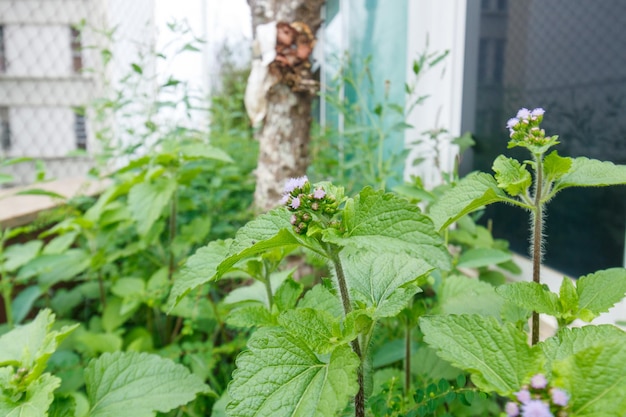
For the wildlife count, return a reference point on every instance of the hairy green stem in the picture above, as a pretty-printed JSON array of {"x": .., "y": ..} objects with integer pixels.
[
  {"x": 268, "y": 285},
  {"x": 359, "y": 399},
  {"x": 537, "y": 232}
]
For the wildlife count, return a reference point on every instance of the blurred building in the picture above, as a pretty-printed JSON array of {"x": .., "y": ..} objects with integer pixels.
[{"x": 51, "y": 67}]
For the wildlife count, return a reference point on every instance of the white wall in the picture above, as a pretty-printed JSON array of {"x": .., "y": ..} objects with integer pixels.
[
  {"x": 441, "y": 24},
  {"x": 38, "y": 50},
  {"x": 41, "y": 132}
]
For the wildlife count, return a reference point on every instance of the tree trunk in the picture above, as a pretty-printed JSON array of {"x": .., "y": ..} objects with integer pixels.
[{"x": 284, "y": 136}]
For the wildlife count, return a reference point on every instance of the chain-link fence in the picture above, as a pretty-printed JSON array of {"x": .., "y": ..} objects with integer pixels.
[{"x": 52, "y": 65}]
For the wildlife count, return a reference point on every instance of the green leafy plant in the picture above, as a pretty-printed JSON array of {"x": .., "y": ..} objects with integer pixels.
[
  {"x": 586, "y": 363},
  {"x": 116, "y": 382}
]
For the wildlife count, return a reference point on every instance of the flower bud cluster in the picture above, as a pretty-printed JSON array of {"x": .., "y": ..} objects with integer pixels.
[
  {"x": 524, "y": 127},
  {"x": 306, "y": 203},
  {"x": 538, "y": 400}
]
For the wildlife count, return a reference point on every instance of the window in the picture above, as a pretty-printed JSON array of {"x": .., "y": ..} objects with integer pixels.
[
  {"x": 80, "y": 129},
  {"x": 76, "y": 47},
  {"x": 3, "y": 63},
  {"x": 5, "y": 129},
  {"x": 571, "y": 62}
]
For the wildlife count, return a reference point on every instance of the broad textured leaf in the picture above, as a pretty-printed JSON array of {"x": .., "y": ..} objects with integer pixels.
[
  {"x": 497, "y": 355},
  {"x": 479, "y": 257},
  {"x": 52, "y": 269},
  {"x": 131, "y": 384},
  {"x": 375, "y": 220},
  {"x": 147, "y": 200},
  {"x": 555, "y": 166},
  {"x": 249, "y": 316},
  {"x": 20, "y": 253},
  {"x": 287, "y": 295},
  {"x": 599, "y": 291},
  {"x": 464, "y": 295},
  {"x": 425, "y": 362},
  {"x": 318, "y": 329},
  {"x": 470, "y": 194},
  {"x": 586, "y": 172},
  {"x": 24, "y": 301},
  {"x": 568, "y": 342},
  {"x": 319, "y": 297},
  {"x": 280, "y": 376},
  {"x": 595, "y": 378},
  {"x": 198, "y": 270},
  {"x": 31, "y": 345},
  {"x": 383, "y": 280},
  {"x": 60, "y": 243},
  {"x": 264, "y": 227},
  {"x": 532, "y": 296},
  {"x": 511, "y": 175},
  {"x": 36, "y": 401}
]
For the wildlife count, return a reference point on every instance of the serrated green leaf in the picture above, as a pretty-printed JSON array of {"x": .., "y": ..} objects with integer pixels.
[
  {"x": 511, "y": 175},
  {"x": 568, "y": 342},
  {"x": 479, "y": 257},
  {"x": 147, "y": 200},
  {"x": 599, "y": 291},
  {"x": 251, "y": 316},
  {"x": 460, "y": 294},
  {"x": 473, "y": 192},
  {"x": 586, "y": 172},
  {"x": 19, "y": 254},
  {"x": 264, "y": 227},
  {"x": 287, "y": 295},
  {"x": 135, "y": 384},
  {"x": 198, "y": 270},
  {"x": 31, "y": 345},
  {"x": 555, "y": 166},
  {"x": 425, "y": 362},
  {"x": 36, "y": 400},
  {"x": 497, "y": 355},
  {"x": 60, "y": 243},
  {"x": 321, "y": 298},
  {"x": 532, "y": 296},
  {"x": 382, "y": 280},
  {"x": 568, "y": 299},
  {"x": 280, "y": 376},
  {"x": 318, "y": 329},
  {"x": 375, "y": 219},
  {"x": 595, "y": 379}
]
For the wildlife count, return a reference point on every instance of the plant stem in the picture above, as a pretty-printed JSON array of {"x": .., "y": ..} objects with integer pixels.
[
  {"x": 6, "y": 297},
  {"x": 103, "y": 297},
  {"x": 407, "y": 357},
  {"x": 268, "y": 285},
  {"x": 359, "y": 399},
  {"x": 537, "y": 231},
  {"x": 172, "y": 235}
]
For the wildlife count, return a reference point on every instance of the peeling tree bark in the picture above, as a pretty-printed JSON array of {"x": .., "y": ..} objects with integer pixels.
[{"x": 284, "y": 137}]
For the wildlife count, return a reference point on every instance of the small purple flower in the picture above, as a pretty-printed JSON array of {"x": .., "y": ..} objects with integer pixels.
[
  {"x": 523, "y": 113},
  {"x": 319, "y": 194},
  {"x": 284, "y": 199},
  {"x": 559, "y": 397},
  {"x": 523, "y": 396},
  {"x": 512, "y": 123},
  {"x": 537, "y": 112},
  {"x": 538, "y": 381},
  {"x": 294, "y": 219},
  {"x": 294, "y": 183},
  {"x": 295, "y": 203},
  {"x": 536, "y": 408},
  {"x": 511, "y": 409}
]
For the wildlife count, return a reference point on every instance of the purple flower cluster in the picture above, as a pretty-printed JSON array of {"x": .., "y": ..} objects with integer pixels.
[
  {"x": 524, "y": 127},
  {"x": 538, "y": 400},
  {"x": 306, "y": 201}
]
